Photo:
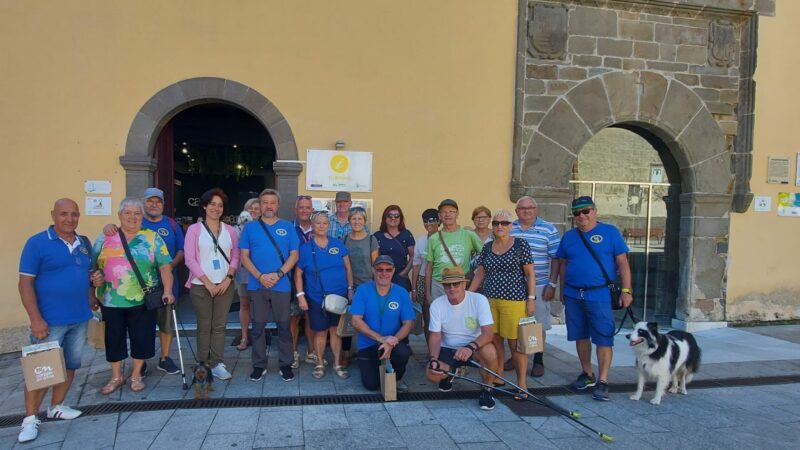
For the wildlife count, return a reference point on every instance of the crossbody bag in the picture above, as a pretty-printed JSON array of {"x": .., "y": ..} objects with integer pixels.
[
  {"x": 616, "y": 303},
  {"x": 332, "y": 303},
  {"x": 153, "y": 296}
]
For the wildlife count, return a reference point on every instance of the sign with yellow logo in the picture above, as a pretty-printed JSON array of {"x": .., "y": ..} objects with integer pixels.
[{"x": 333, "y": 170}]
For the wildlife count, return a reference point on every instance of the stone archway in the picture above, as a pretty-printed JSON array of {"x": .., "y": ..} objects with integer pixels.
[
  {"x": 138, "y": 160},
  {"x": 680, "y": 119}
]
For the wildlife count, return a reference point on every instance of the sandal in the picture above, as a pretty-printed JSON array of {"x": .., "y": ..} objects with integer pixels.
[
  {"x": 520, "y": 396},
  {"x": 112, "y": 385},
  {"x": 319, "y": 372},
  {"x": 243, "y": 344},
  {"x": 137, "y": 383},
  {"x": 342, "y": 372}
]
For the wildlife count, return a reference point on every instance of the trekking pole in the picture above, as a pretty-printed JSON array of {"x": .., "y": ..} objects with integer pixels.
[
  {"x": 572, "y": 415},
  {"x": 180, "y": 352}
]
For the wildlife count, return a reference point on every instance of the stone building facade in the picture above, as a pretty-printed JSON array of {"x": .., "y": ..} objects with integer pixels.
[{"x": 677, "y": 73}]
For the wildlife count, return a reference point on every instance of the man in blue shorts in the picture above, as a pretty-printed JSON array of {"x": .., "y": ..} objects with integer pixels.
[
  {"x": 269, "y": 252},
  {"x": 587, "y": 298},
  {"x": 54, "y": 274},
  {"x": 383, "y": 315}
]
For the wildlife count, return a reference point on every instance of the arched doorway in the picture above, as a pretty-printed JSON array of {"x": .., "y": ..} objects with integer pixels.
[
  {"x": 139, "y": 159},
  {"x": 623, "y": 168}
]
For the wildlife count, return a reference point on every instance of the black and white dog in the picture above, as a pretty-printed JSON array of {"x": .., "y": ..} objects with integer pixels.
[{"x": 674, "y": 357}]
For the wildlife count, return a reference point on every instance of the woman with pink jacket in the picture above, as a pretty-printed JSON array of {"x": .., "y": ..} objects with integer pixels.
[{"x": 211, "y": 250}]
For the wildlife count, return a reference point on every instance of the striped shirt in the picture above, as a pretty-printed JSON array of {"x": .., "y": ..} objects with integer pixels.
[{"x": 543, "y": 239}]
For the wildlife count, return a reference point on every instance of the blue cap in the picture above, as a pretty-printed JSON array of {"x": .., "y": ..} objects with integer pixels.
[
  {"x": 153, "y": 192},
  {"x": 383, "y": 259},
  {"x": 583, "y": 202}
]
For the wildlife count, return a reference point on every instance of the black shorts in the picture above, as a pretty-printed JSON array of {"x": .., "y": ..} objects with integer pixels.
[
  {"x": 448, "y": 356},
  {"x": 137, "y": 324}
]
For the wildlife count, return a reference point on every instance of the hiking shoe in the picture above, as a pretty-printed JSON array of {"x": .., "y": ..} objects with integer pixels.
[
  {"x": 402, "y": 386},
  {"x": 257, "y": 374},
  {"x": 220, "y": 372},
  {"x": 29, "y": 429},
  {"x": 446, "y": 385},
  {"x": 584, "y": 381},
  {"x": 167, "y": 365},
  {"x": 537, "y": 370},
  {"x": 601, "y": 392},
  {"x": 486, "y": 401},
  {"x": 287, "y": 374},
  {"x": 296, "y": 360},
  {"x": 62, "y": 412}
]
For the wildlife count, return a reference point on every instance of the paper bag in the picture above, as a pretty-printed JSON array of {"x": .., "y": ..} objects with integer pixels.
[
  {"x": 388, "y": 384},
  {"x": 419, "y": 326},
  {"x": 96, "y": 333},
  {"x": 43, "y": 365},
  {"x": 530, "y": 336},
  {"x": 345, "y": 327}
]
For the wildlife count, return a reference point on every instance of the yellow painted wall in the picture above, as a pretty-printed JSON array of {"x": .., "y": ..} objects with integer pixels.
[
  {"x": 420, "y": 83},
  {"x": 763, "y": 261}
]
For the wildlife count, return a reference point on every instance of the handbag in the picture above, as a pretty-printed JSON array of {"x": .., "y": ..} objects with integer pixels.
[
  {"x": 616, "y": 303},
  {"x": 345, "y": 327},
  {"x": 153, "y": 296},
  {"x": 332, "y": 303}
]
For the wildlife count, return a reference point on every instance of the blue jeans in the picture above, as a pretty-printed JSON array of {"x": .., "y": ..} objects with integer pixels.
[{"x": 71, "y": 337}]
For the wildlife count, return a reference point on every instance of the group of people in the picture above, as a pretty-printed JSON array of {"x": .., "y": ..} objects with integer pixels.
[{"x": 473, "y": 287}]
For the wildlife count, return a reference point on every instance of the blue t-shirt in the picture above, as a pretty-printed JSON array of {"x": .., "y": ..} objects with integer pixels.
[
  {"x": 263, "y": 253},
  {"x": 384, "y": 315},
  {"x": 172, "y": 235},
  {"x": 582, "y": 270},
  {"x": 61, "y": 277},
  {"x": 330, "y": 263}
]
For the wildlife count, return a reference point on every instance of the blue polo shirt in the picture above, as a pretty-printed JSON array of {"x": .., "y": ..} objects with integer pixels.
[
  {"x": 330, "y": 263},
  {"x": 263, "y": 253},
  {"x": 582, "y": 270},
  {"x": 384, "y": 315},
  {"x": 172, "y": 234},
  {"x": 61, "y": 277}
]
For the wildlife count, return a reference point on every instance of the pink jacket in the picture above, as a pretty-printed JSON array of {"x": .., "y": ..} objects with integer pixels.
[{"x": 191, "y": 250}]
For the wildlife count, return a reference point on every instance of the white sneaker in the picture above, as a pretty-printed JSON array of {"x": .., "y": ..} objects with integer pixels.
[
  {"x": 30, "y": 429},
  {"x": 296, "y": 360},
  {"x": 220, "y": 372},
  {"x": 62, "y": 412}
]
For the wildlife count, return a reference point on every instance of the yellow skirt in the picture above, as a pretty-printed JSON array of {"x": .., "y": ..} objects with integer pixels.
[{"x": 506, "y": 315}]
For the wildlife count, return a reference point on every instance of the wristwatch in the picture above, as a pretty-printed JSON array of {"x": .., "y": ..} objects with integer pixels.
[
  {"x": 280, "y": 273},
  {"x": 230, "y": 276},
  {"x": 552, "y": 284},
  {"x": 626, "y": 291}
]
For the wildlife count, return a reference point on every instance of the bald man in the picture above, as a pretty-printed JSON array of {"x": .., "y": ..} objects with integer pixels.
[{"x": 55, "y": 288}]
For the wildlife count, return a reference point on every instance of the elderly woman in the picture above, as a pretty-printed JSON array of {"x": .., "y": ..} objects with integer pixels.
[
  {"x": 252, "y": 211},
  {"x": 122, "y": 296},
  {"x": 505, "y": 267},
  {"x": 362, "y": 250},
  {"x": 481, "y": 216},
  {"x": 397, "y": 242},
  {"x": 212, "y": 256},
  {"x": 323, "y": 268}
]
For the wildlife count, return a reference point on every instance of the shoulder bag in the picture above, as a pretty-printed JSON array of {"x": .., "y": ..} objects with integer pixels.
[
  {"x": 616, "y": 303},
  {"x": 153, "y": 296},
  {"x": 332, "y": 303},
  {"x": 447, "y": 250}
]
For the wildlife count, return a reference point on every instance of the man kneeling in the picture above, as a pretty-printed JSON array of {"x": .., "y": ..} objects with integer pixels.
[
  {"x": 460, "y": 329},
  {"x": 383, "y": 315}
]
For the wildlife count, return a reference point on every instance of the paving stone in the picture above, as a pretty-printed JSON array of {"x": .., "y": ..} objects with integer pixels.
[
  {"x": 50, "y": 433},
  {"x": 185, "y": 429},
  {"x": 144, "y": 421},
  {"x": 554, "y": 427},
  {"x": 237, "y": 440},
  {"x": 324, "y": 417},
  {"x": 135, "y": 440},
  {"x": 482, "y": 446},
  {"x": 333, "y": 439},
  {"x": 235, "y": 420},
  {"x": 517, "y": 436},
  {"x": 462, "y": 426},
  {"x": 86, "y": 432},
  {"x": 377, "y": 436},
  {"x": 409, "y": 414},
  {"x": 425, "y": 437},
  {"x": 279, "y": 428}
]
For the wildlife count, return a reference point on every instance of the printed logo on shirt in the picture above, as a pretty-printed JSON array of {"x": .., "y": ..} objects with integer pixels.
[
  {"x": 394, "y": 305},
  {"x": 280, "y": 232},
  {"x": 334, "y": 251},
  {"x": 471, "y": 323},
  {"x": 596, "y": 238},
  {"x": 458, "y": 251},
  {"x": 85, "y": 251},
  {"x": 163, "y": 232}
]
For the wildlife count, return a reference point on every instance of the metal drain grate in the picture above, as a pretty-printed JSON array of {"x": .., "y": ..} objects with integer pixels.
[{"x": 161, "y": 405}]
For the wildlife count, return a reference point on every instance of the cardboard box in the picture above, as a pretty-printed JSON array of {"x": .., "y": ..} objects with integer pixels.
[
  {"x": 530, "y": 336},
  {"x": 43, "y": 365},
  {"x": 388, "y": 384}
]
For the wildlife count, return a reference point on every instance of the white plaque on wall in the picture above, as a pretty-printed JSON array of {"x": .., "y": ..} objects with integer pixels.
[
  {"x": 778, "y": 170},
  {"x": 98, "y": 206},
  {"x": 97, "y": 187}
]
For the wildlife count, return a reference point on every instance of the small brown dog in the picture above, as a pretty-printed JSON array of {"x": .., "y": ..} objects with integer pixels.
[{"x": 202, "y": 380}]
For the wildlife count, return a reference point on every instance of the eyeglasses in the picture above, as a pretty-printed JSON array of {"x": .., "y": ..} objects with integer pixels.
[
  {"x": 431, "y": 221},
  {"x": 384, "y": 270},
  {"x": 585, "y": 211},
  {"x": 452, "y": 285},
  {"x": 393, "y": 216},
  {"x": 526, "y": 208},
  {"x": 304, "y": 197},
  {"x": 504, "y": 223},
  {"x": 480, "y": 218}
]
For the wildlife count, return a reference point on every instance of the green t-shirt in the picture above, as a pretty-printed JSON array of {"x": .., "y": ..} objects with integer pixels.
[{"x": 462, "y": 244}]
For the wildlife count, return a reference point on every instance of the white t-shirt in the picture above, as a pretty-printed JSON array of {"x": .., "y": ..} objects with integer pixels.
[
  {"x": 211, "y": 260},
  {"x": 460, "y": 324},
  {"x": 419, "y": 253}
]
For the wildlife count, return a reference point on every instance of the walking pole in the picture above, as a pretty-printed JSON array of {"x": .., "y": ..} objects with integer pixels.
[{"x": 180, "y": 352}]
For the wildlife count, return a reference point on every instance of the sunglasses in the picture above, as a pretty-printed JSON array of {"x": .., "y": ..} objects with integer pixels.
[
  {"x": 384, "y": 270},
  {"x": 451, "y": 285},
  {"x": 304, "y": 197},
  {"x": 393, "y": 216},
  {"x": 504, "y": 223},
  {"x": 585, "y": 211},
  {"x": 430, "y": 221}
]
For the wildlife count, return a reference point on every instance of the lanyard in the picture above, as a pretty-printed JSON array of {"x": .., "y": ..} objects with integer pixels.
[{"x": 383, "y": 300}]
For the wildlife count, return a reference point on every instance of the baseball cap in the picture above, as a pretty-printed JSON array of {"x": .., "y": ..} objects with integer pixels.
[
  {"x": 343, "y": 197},
  {"x": 448, "y": 202},
  {"x": 583, "y": 202},
  {"x": 153, "y": 192},
  {"x": 383, "y": 259},
  {"x": 430, "y": 215}
]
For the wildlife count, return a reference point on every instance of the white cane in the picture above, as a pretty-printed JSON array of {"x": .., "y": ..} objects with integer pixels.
[{"x": 180, "y": 352}]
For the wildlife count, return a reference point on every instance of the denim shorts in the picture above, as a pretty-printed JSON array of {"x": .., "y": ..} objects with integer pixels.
[
  {"x": 589, "y": 319},
  {"x": 71, "y": 337}
]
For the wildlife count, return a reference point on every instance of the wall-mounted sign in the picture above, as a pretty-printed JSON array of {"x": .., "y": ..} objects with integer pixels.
[
  {"x": 797, "y": 170},
  {"x": 332, "y": 170},
  {"x": 98, "y": 206},
  {"x": 788, "y": 204},
  {"x": 778, "y": 170},
  {"x": 97, "y": 187}
]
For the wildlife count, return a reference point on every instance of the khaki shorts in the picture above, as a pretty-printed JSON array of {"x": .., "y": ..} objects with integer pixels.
[
  {"x": 543, "y": 310},
  {"x": 506, "y": 315},
  {"x": 164, "y": 320}
]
